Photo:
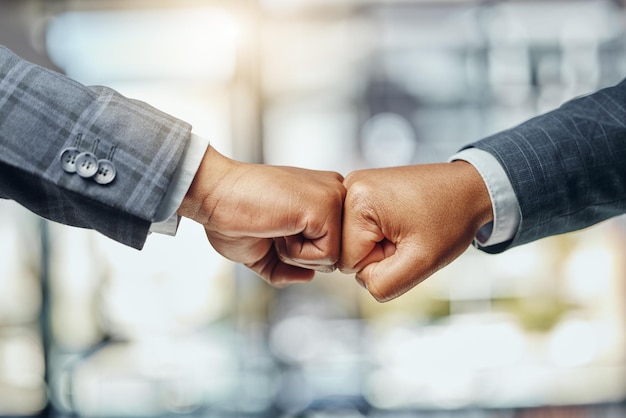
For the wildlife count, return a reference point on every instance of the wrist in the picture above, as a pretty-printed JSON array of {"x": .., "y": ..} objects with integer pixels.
[
  {"x": 474, "y": 194},
  {"x": 197, "y": 203}
]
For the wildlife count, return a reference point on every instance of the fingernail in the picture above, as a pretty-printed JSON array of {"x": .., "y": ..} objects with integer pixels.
[{"x": 361, "y": 282}]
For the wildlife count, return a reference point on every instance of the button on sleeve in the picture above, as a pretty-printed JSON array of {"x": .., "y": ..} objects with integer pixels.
[
  {"x": 106, "y": 172},
  {"x": 86, "y": 165},
  {"x": 68, "y": 159}
]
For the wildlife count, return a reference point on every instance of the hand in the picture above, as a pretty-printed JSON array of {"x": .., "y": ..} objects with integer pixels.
[
  {"x": 282, "y": 222},
  {"x": 402, "y": 224}
]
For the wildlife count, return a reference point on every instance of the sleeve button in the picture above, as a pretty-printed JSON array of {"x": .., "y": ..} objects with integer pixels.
[
  {"x": 68, "y": 159},
  {"x": 86, "y": 164},
  {"x": 106, "y": 172}
]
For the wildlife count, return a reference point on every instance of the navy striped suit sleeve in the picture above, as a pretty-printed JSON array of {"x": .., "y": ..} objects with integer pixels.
[
  {"x": 43, "y": 112},
  {"x": 567, "y": 167}
]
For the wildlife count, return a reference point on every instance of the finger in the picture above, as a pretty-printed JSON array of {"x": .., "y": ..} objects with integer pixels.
[
  {"x": 318, "y": 245},
  {"x": 321, "y": 241},
  {"x": 259, "y": 255},
  {"x": 381, "y": 251},
  {"x": 361, "y": 238},
  {"x": 277, "y": 273},
  {"x": 244, "y": 250},
  {"x": 299, "y": 251}
]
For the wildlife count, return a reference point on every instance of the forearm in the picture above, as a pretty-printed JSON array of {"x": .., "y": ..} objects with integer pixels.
[{"x": 44, "y": 113}]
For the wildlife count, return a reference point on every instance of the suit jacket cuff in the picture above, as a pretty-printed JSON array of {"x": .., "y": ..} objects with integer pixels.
[{"x": 166, "y": 220}]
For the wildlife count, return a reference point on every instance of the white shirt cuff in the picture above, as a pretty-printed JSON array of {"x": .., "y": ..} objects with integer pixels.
[
  {"x": 166, "y": 220},
  {"x": 506, "y": 210}
]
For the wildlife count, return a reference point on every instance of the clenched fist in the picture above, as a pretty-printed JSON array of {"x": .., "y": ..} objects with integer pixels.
[
  {"x": 402, "y": 224},
  {"x": 284, "y": 223}
]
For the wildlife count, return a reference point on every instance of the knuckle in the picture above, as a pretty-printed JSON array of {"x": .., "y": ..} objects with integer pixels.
[
  {"x": 358, "y": 192},
  {"x": 334, "y": 176},
  {"x": 351, "y": 178},
  {"x": 336, "y": 194}
]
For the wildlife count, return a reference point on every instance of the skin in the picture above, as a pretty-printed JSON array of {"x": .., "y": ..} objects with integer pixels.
[
  {"x": 402, "y": 224},
  {"x": 284, "y": 223}
]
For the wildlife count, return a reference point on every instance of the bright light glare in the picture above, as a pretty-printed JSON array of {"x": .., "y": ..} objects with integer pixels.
[
  {"x": 589, "y": 273},
  {"x": 22, "y": 388},
  {"x": 165, "y": 288},
  {"x": 20, "y": 295},
  {"x": 152, "y": 379},
  {"x": 388, "y": 140},
  {"x": 575, "y": 343},
  {"x": 162, "y": 44},
  {"x": 441, "y": 363}
]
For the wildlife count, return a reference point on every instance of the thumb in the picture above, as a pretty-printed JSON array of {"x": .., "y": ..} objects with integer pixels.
[
  {"x": 395, "y": 274},
  {"x": 361, "y": 242}
]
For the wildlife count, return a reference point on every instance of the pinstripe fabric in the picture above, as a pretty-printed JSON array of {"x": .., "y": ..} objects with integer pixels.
[
  {"x": 43, "y": 112},
  {"x": 567, "y": 167}
]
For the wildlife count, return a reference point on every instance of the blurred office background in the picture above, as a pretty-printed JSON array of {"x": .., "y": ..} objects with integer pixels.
[{"x": 91, "y": 328}]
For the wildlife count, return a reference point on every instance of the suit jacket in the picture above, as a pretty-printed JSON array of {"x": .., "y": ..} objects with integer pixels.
[
  {"x": 43, "y": 113},
  {"x": 567, "y": 167}
]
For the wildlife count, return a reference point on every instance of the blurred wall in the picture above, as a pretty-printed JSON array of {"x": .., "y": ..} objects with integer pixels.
[{"x": 176, "y": 329}]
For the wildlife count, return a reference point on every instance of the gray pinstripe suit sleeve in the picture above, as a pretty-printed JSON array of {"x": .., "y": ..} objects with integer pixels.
[
  {"x": 43, "y": 112},
  {"x": 567, "y": 167}
]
